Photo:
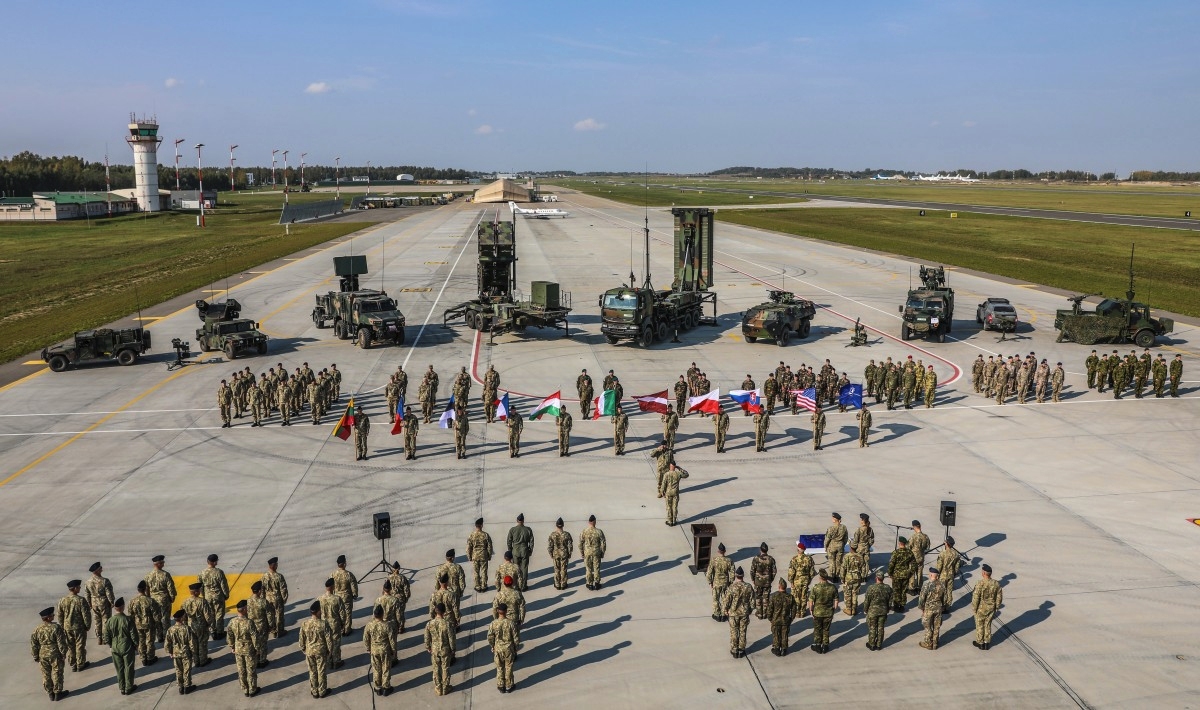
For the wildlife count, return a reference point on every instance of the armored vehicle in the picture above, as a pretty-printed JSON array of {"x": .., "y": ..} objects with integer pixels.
[
  {"x": 929, "y": 311},
  {"x": 365, "y": 315},
  {"x": 124, "y": 346},
  {"x": 646, "y": 315},
  {"x": 1113, "y": 321},
  {"x": 223, "y": 329},
  {"x": 778, "y": 318},
  {"x": 997, "y": 314}
]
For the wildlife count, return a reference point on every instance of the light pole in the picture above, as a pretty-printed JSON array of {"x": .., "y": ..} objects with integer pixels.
[
  {"x": 302, "y": 155},
  {"x": 273, "y": 168},
  {"x": 200, "y": 174},
  {"x": 177, "y": 142},
  {"x": 232, "y": 182},
  {"x": 368, "y": 178},
  {"x": 285, "y": 185},
  {"x": 337, "y": 175}
]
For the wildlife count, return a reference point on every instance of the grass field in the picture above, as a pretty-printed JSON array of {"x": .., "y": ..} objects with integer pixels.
[
  {"x": 1079, "y": 257},
  {"x": 60, "y": 277},
  {"x": 660, "y": 196}
]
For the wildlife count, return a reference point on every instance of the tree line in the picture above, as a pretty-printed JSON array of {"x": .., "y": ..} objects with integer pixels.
[{"x": 1017, "y": 174}]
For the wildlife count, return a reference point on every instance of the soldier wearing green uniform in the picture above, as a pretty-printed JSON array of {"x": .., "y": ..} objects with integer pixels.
[
  {"x": 719, "y": 575},
  {"x": 560, "y": 545},
  {"x": 669, "y": 489},
  {"x": 1176, "y": 370},
  {"x": 1159, "y": 370},
  {"x": 663, "y": 457},
  {"x": 225, "y": 403},
  {"x": 513, "y": 599},
  {"x": 818, "y": 427},
  {"x": 930, "y": 603},
  {"x": 1102, "y": 372},
  {"x": 852, "y": 572},
  {"x": 681, "y": 394},
  {"x": 334, "y": 613},
  {"x": 1000, "y": 384},
  {"x": 869, "y": 378},
  {"x": 122, "y": 638},
  {"x": 491, "y": 385},
  {"x": 863, "y": 540},
  {"x": 411, "y": 426},
  {"x": 76, "y": 618},
  {"x": 762, "y": 573},
  {"x": 1056, "y": 383},
  {"x": 180, "y": 646},
  {"x": 771, "y": 391},
  {"x": 515, "y": 426},
  {"x": 462, "y": 427},
  {"x": 670, "y": 422},
  {"x": 930, "y": 387},
  {"x": 262, "y": 616},
  {"x": 276, "y": 590},
  {"x": 199, "y": 614},
  {"x": 316, "y": 643},
  {"x": 736, "y": 608},
  {"x": 48, "y": 644},
  {"x": 721, "y": 429},
  {"x": 381, "y": 645},
  {"x": 593, "y": 546},
  {"x": 453, "y": 571},
  {"x": 243, "y": 641},
  {"x": 781, "y": 610},
  {"x": 216, "y": 593},
  {"x": 919, "y": 546},
  {"x": 362, "y": 429},
  {"x": 762, "y": 423},
  {"x": 901, "y": 567},
  {"x": 583, "y": 386},
  {"x": 479, "y": 551},
  {"x": 147, "y": 617},
  {"x": 864, "y": 426},
  {"x": 345, "y": 586},
  {"x": 877, "y": 601},
  {"x": 835, "y": 545},
  {"x": 822, "y": 603},
  {"x": 910, "y": 386},
  {"x": 428, "y": 393},
  {"x": 563, "y": 422},
  {"x": 503, "y": 638},
  {"x": 948, "y": 562},
  {"x": 520, "y": 544},
  {"x": 1091, "y": 363},
  {"x": 401, "y": 590},
  {"x": 985, "y": 602},
  {"x": 620, "y": 422},
  {"x": 99, "y": 593},
  {"x": 439, "y": 643},
  {"x": 800, "y": 574},
  {"x": 387, "y": 602}
]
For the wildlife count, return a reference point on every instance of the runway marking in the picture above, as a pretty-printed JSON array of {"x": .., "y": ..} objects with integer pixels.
[
  {"x": 1194, "y": 521},
  {"x": 239, "y": 588},
  {"x": 34, "y": 362},
  {"x": 127, "y": 411},
  {"x": 149, "y": 317}
]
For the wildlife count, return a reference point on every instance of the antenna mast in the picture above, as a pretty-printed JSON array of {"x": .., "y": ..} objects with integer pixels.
[
  {"x": 646, "y": 226},
  {"x": 1129, "y": 293}
]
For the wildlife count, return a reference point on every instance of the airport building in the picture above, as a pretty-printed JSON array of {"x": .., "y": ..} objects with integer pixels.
[
  {"x": 503, "y": 191},
  {"x": 54, "y": 206}
]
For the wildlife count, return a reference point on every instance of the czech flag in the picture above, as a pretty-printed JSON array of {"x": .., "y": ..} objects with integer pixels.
[
  {"x": 656, "y": 402},
  {"x": 749, "y": 400},
  {"x": 448, "y": 415},
  {"x": 342, "y": 429},
  {"x": 398, "y": 424},
  {"x": 502, "y": 407},
  {"x": 709, "y": 403}
]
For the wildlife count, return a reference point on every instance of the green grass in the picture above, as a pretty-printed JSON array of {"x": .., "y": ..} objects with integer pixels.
[
  {"x": 660, "y": 196},
  {"x": 1075, "y": 256},
  {"x": 60, "y": 277}
]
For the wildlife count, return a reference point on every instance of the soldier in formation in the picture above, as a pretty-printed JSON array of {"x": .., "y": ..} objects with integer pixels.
[
  {"x": 439, "y": 643},
  {"x": 333, "y": 613},
  {"x": 199, "y": 614},
  {"x": 216, "y": 593},
  {"x": 122, "y": 638},
  {"x": 75, "y": 616},
  {"x": 402, "y": 591},
  {"x": 49, "y": 646},
  {"x": 502, "y": 637},
  {"x": 520, "y": 544},
  {"x": 853, "y": 570},
  {"x": 345, "y": 586},
  {"x": 593, "y": 546},
  {"x": 930, "y": 602},
  {"x": 919, "y": 546},
  {"x": 762, "y": 422},
  {"x": 462, "y": 427},
  {"x": 835, "y": 544},
  {"x": 243, "y": 641},
  {"x": 680, "y": 391},
  {"x": 901, "y": 568},
  {"x": 479, "y": 551},
  {"x": 721, "y": 430},
  {"x": 583, "y": 386},
  {"x": 262, "y": 617},
  {"x": 822, "y": 603},
  {"x": 381, "y": 645},
  {"x": 317, "y": 639},
  {"x": 781, "y": 610},
  {"x": 878, "y": 601},
  {"x": 1176, "y": 372},
  {"x": 147, "y": 620},
  {"x": 762, "y": 573},
  {"x": 736, "y": 607},
  {"x": 180, "y": 646},
  {"x": 411, "y": 426},
  {"x": 719, "y": 576},
  {"x": 515, "y": 425},
  {"x": 456, "y": 583},
  {"x": 560, "y": 546},
  {"x": 669, "y": 489},
  {"x": 985, "y": 603},
  {"x": 799, "y": 575},
  {"x": 563, "y": 422},
  {"x": 99, "y": 593},
  {"x": 948, "y": 563},
  {"x": 427, "y": 393},
  {"x": 276, "y": 591},
  {"x": 864, "y": 426},
  {"x": 362, "y": 429},
  {"x": 818, "y": 427},
  {"x": 670, "y": 422},
  {"x": 620, "y": 422},
  {"x": 491, "y": 386}
]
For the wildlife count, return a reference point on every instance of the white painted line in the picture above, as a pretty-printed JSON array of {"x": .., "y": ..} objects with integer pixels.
[{"x": 124, "y": 411}]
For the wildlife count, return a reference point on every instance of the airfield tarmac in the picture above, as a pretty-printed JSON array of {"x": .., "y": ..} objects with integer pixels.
[{"x": 1080, "y": 507}]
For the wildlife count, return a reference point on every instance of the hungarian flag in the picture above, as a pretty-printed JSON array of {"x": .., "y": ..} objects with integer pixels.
[
  {"x": 708, "y": 403},
  {"x": 398, "y": 424},
  {"x": 605, "y": 405},
  {"x": 806, "y": 399},
  {"x": 502, "y": 407},
  {"x": 551, "y": 405},
  {"x": 749, "y": 400},
  {"x": 850, "y": 396},
  {"x": 448, "y": 415},
  {"x": 342, "y": 430},
  {"x": 656, "y": 402}
]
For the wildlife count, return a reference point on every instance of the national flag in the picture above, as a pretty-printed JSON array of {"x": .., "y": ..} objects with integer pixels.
[
  {"x": 551, "y": 405},
  {"x": 342, "y": 429},
  {"x": 605, "y": 405},
  {"x": 850, "y": 396},
  {"x": 708, "y": 403},
  {"x": 749, "y": 400},
  {"x": 813, "y": 544},
  {"x": 656, "y": 402},
  {"x": 502, "y": 407},
  {"x": 444, "y": 420},
  {"x": 398, "y": 421},
  {"x": 806, "y": 399}
]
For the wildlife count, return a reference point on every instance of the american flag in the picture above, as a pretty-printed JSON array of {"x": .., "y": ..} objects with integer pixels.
[{"x": 806, "y": 399}]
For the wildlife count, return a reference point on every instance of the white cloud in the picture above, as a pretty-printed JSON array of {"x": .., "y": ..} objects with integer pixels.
[
  {"x": 471, "y": 112},
  {"x": 172, "y": 82},
  {"x": 484, "y": 130},
  {"x": 969, "y": 124},
  {"x": 318, "y": 87},
  {"x": 589, "y": 124}
]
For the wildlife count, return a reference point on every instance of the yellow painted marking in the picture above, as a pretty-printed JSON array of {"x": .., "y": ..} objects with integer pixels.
[
  {"x": 148, "y": 317},
  {"x": 291, "y": 260},
  {"x": 415, "y": 290},
  {"x": 434, "y": 263},
  {"x": 239, "y": 589},
  {"x": 1028, "y": 286},
  {"x": 213, "y": 290},
  {"x": 26, "y": 378},
  {"x": 1033, "y": 317},
  {"x": 33, "y": 362}
]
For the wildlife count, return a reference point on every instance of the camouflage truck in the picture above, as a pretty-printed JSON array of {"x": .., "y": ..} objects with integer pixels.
[
  {"x": 1113, "y": 321},
  {"x": 224, "y": 329},
  {"x": 364, "y": 315},
  {"x": 124, "y": 346},
  {"x": 779, "y": 317},
  {"x": 928, "y": 311}
]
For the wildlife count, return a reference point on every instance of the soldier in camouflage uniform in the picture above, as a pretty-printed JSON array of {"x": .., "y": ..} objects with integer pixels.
[
  {"x": 663, "y": 457},
  {"x": 781, "y": 610},
  {"x": 262, "y": 615},
  {"x": 901, "y": 568},
  {"x": 334, "y": 613},
  {"x": 243, "y": 642},
  {"x": 762, "y": 573},
  {"x": 910, "y": 386},
  {"x": 362, "y": 430},
  {"x": 583, "y": 386},
  {"x": 515, "y": 425},
  {"x": 392, "y": 393},
  {"x": 620, "y": 422},
  {"x": 1159, "y": 371},
  {"x": 948, "y": 563},
  {"x": 335, "y": 383},
  {"x": 670, "y": 422},
  {"x": 563, "y": 422},
  {"x": 822, "y": 603},
  {"x": 439, "y": 643},
  {"x": 681, "y": 395},
  {"x": 852, "y": 572},
  {"x": 216, "y": 593},
  {"x": 386, "y": 602},
  {"x": 771, "y": 391},
  {"x": 49, "y": 646},
  {"x": 276, "y": 590},
  {"x": 411, "y": 426},
  {"x": 507, "y": 568},
  {"x": 162, "y": 590},
  {"x": 479, "y": 551},
  {"x": 1141, "y": 370},
  {"x": 147, "y": 619},
  {"x": 1102, "y": 373},
  {"x": 1120, "y": 378},
  {"x": 560, "y": 546},
  {"x": 719, "y": 575},
  {"x": 381, "y": 645},
  {"x": 863, "y": 539},
  {"x": 1176, "y": 371},
  {"x": 180, "y": 646},
  {"x": 401, "y": 590},
  {"x": 592, "y": 546},
  {"x": 881, "y": 373},
  {"x": 225, "y": 403},
  {"x": 503, "y": 637},
  {"x": 452, "y": 571},
  {"x": 1056, "y": 382},
  {"x": 511, "y": 597},
  {"x": 919, "y": 546},
  {"x": 799, "y": 575},
  {"x": 462, "y": 387},
  {"x": 985, "y": 602},
  {"x": 1000, "y": 384},
  {"x": 401, "y": 378},
  {"x": 345, "y": 585},
  {"x": 669, "y": 489},
  {"x": 878, "y": 601},
  {"x": 835, "y": 544},
  {"x": 818, "y": 427},
  {"x": 869, "y": 378},
  {"x": 75, "y": 617},
  {"x": 989, "y": 373},
  {"x": 317, "y": 639},
  {"x": 1091, "y": 363},
  {"x": 491, "y": 386},
  {"x": 977, "y": 368},
  {"x": 930, "y": 603},
  {"x": 762, "y": 423},
  {"x": 283, "y": 395},
  {"x": 930, "y": 383},
  {"x": 314, "y": 397},
  {"x": 864, "y": 426},
  {"x": 99, "y": 593},
  {"x": 199, "y": 614},
  {"x": 721, "y": 430},
  {"x": 891, "y": 385},
  {"x": 428, "y": 394},
  {"x": 736, "y": 607}
]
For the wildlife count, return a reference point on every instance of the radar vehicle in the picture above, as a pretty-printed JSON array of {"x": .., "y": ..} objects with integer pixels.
[
  {"x": 928, "y": 311},
  {"x": 224, "y": 329},
  {"x": 363, "y": 315}
]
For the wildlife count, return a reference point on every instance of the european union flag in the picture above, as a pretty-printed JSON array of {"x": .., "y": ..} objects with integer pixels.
[{"x": 850, "y": 396}]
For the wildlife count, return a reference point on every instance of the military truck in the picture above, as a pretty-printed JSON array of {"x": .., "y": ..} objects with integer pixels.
[
  {"x": 928, "y": 311},
  {"x": 224, "y": 329},
  {"x": 645, "y": 314},
  {"x": 1113, "y": 321},
  {"x": 365, "y": 315},
  {"x": 124, "y": 346},
  {"x": 499, "y": 307},
  {"x": 779, "y": 317}
]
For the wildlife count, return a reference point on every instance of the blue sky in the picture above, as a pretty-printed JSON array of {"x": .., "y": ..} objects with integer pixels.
[{"x": 616, "y": 85}]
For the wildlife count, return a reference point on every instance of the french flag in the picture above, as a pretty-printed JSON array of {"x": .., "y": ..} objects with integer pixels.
[
  {"x": 749, "y": 400},
  {"x": 709, "y": 403}
]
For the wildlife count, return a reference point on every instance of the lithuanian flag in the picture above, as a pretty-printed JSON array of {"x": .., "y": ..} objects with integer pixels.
[{"x": 342, "y": 430}]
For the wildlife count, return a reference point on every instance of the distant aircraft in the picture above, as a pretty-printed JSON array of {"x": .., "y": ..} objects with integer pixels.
[
  {"x": 888, "y": 177},
  {"x": 541, "y": 213}
]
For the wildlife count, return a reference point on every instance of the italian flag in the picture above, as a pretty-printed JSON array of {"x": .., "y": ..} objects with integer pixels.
[
  {"x": 551, "y": 405},
  {"x": 605, "y": 405},
  {"x": 342, "y": 430}
]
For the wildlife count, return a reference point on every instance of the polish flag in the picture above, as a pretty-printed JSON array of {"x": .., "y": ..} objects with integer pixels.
[{"x": 709, "y": 403}]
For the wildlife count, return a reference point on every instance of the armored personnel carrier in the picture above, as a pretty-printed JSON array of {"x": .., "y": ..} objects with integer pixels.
[
  {"x": 779, "y": 317},
  {"x": 928, "y": 311}
]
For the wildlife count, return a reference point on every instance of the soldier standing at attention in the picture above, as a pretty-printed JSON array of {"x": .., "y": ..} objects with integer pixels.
[
  {"x": 864, "y": 539},
  {"x": 781, "y": 610},
  {"x": 503, "y": 638},
  {"x": 864, "y": 426},
  {"x": 314, "y": 401},
  {"x": 283, "y": 395},
  {"x": 387, "y": 603},
  {"x": 891, "y": 385},
  {"x": 1091, "y": 364},
  {"x": 560, "y": 546},
  {"x": 225, "y": 403},
  {"x": 381, "y": 645},
  {"x": 393, "y": 398},
  {"x": 835, "y": 543},
  {"x": 1120, "y": 378},
  {"x": 681, "y": 394},
  {"x": 762, "y": 422},
  {"x": 818, "y": 427},
  {"x": 317, "y": 640},
  {"x": 147, "y": 618},
  {"x": 462, "y": 427},
  {"x": 276, "y": 589},
  {"x": 333, "y": 611},
  {"x": 720, "y": 575},
  {"x": 462, "y": 387},
  {"x": 869, "y": 378},
  {"x": 479, "y": 551},
  {"x": 800, "y": 574},
  {"x": 411, "y": 426},
  {"x": 663, "y": 456},
  {"x": 439, "y": 642},
  {"x": 748, "y": 383},
  {"x": 401, "y": 590},
  {"x": 948, "y": 562},
  {"x": 199, "y": 614},
  {"x": 880, "y": 377},
  {"x": 910, "y": 385},
  {"x": 1141, "y": 369},
  {"x": 336, "y": 382},
  {"x": 1159, "y": 370},
  {"x": 243, "y": 641},
  {"x": 429, "y": 397},
  {"x": 985, "y": 602},
  {"x": 162, "y": 589},
  {"x": 520, "y": 544},
  {"x": 1056, "y": 383},
  {"x": 564, "y": 433},
  {"x": 513, "y": 599},
  {"x": 822, "y": 603},
  {"x": 49, "y": 647},
  {"x": 593, "y": 546},
  {"x": 736, "y": 608},
  {"x": 620, "y": 422},
  {"x": 1102, "y": 370},
  {"x": 930, "y": 387},
  {"x": 216, "y": 593},
  {"x": 180, "y": 646},
  {"x": 491, "y": 384},
  {"x": 76, "y": 618},
  {"x": 362, "y": 429},
  {"x": 583, "y": 386},
  {"x": 670, "y": 422},
  {"x": 345, "y": 585},
  {"x": 930, "y": 603},
  {"x": 515, "y": 425},
  {"x": 989, "y": 371},
  {"x": 762, "y": 573},
  {"x": 721, "y": 427},
  {"x": 854, "y": 569},
  {"x": 261, "y": 615},
  {"x": 458, "y": 579},
  {"x": 507, "y": 568},
  {"x": 919, "y": 546},
  {"x": 609, "y": 380},
  {"x": 401, "y": 378},
  {"x": 901, "y": 567},
  {"x": 669, "y": 489},
  {"x": 1176, "y": 369},
  {"x": 977, "y": 373},
  {"x": 878, "y": 602},
  {"x": 99, "y": 594},
  {"x": 1000, "y": 384},
  {"x": 770, "y": 391}
]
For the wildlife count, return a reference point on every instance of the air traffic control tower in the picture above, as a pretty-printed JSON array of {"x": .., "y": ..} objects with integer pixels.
[{"x": 143, "y": 138}]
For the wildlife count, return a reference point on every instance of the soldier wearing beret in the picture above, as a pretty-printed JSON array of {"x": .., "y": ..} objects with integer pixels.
[
  {"x": 822, "y": 603},
  {"x": 180, "y": 645},
  {"x": 75, "y": 616},
  {"x": 147, "y": 619},
  {"x": 123, "y": 642},
  {"x": 49, "y": 647},
  {"x": 199, "y": 615},
  {"x": 276, "y": 591},
  {"x": 560, "y": 545},
  {"x": 878, "y": 601},
  {"x": 243, "y": 641},
  {"x": 99, "y": 593},
  {"x": 593, "y": 547},
  {"x": 503, "y": 638},
  {"x": 736, "y": 607},
  {"x": 930, "y": 602},
  {"x": 161, "y": 587},
  {"x": 720, "y": 575},
  {"x": 381, "y": 645},
  {"x": 316, "y": 643},
  {"x": 216, "y": 593},
  {"x": 781, "y": 610},
  {"x": 439, "y": 642},
  {"x": 262, "y": 616},
  {"x": 335, "y": 614},
  {"x": 520, "y": 544},
  {"x": 985, "y": 602},
  {"x": 345, "y": 585},
  {"x": 479, "y": 551},
  {"x": 835, "y": 544}
]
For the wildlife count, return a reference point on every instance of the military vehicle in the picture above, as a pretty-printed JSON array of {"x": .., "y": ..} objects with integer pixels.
[
  {"x": 124, "y": 346},
  {"x": 499, "y": 307},
  {"x": 998, "y": 314},
  {"x": 929, "y": 311},
  {"x": 365, "y": 315},
  {"x": 779, "y": 317},
  {"x": 223, "y": 329},
  {"x": 645, "y": 315},
  {"x": 1113, "y": 321}
]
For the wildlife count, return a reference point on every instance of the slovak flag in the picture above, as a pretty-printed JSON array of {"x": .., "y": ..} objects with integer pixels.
[
  {"x": 708, "y": 403},
  {"x": 749, "y": 400},
  {"x": 502, "y": 407}
]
